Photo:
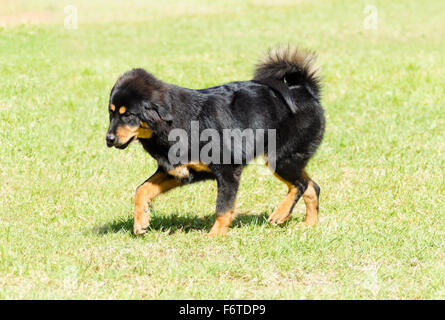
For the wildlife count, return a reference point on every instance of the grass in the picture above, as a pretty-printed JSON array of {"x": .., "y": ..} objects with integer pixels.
[{"x": 66, "y": 200}]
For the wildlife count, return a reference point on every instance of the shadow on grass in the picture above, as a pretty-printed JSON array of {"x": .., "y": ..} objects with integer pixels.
[{"x": 184, "y": 223}]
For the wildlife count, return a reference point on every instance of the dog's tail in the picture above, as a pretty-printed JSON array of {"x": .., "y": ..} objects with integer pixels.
[{"x": 292, "y": 66}]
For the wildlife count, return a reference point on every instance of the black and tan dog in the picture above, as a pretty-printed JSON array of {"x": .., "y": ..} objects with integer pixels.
[{"x": 284, "y": 96}]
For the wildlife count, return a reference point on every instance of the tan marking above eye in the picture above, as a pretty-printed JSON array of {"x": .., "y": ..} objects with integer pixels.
[
  {"x": 122, "y": 110},
  {"x": 112, "y": 107}
]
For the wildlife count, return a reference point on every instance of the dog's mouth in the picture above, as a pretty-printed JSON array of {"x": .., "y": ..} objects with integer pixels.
[{"x": 126, "y": 144}]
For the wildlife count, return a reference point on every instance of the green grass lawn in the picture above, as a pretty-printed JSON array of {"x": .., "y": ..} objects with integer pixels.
[{"x": 66, "y": 200}]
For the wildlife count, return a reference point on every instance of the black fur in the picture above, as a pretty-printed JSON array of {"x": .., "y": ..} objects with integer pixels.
[{"x": 284, "y": 95}]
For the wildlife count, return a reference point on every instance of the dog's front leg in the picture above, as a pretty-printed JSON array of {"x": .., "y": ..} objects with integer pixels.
[
  {"x": 158, "y": 183},
  {"x": 228, "y": 182}
]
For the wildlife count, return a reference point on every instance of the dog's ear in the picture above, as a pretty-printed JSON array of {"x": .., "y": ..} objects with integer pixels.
[{"x": 161, "y": 112}]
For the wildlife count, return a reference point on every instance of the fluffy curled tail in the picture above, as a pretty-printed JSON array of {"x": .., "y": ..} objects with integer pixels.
[{"x": 292, "y": 66}]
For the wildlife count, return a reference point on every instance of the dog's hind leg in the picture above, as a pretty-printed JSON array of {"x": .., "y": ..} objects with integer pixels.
[
  {"x": 290, "y": 172},
  {"x": 228, "y": 182},
  {"x": 311, "y": 199},
  {"x": 158, "y": 183},
  {"x": 299, "y": 184}
]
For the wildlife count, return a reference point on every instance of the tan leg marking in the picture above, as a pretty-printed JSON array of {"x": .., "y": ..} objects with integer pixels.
[
  {"x": 156, "y": 185},
  {"x": 222, "y": 223},
  {"x": 198, "y": 166},
  {"x": 182, "y": 171},
  {"x": 282, "y": 213},
  {"x": 311, "y": 201},
  {"x": 179, "y": 172}
]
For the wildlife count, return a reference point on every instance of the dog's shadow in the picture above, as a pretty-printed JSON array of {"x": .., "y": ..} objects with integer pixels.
[{"x": 185, "y": 223}]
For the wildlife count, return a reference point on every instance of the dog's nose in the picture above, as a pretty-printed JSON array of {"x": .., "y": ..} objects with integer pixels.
[{"x": 111, "y": 138}]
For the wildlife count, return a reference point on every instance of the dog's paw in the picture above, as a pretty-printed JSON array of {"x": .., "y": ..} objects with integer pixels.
[
  {"x": 278, "y": 218},
  {"x": 217, "y": 231},
  {"x": 139, "y": 229}
]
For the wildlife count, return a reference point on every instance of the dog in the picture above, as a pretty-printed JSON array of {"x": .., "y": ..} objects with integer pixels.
[{"x": 283, "y": 97}]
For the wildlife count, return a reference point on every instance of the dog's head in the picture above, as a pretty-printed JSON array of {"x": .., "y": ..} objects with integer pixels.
[{"x": 139, "y": 104}]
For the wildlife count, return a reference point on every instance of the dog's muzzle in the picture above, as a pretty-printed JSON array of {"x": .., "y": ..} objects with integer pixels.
[{"x": 111, "y": 139}]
